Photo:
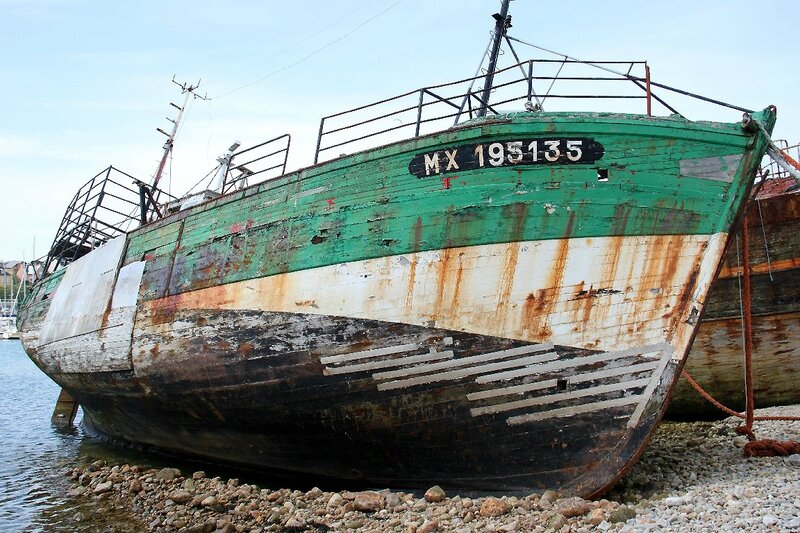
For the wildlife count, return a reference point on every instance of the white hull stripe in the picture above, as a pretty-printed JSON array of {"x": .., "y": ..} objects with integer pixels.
[
  {"x": 574, "y": 362},
  {"x": 581, "y": 378},
  {"x": 631, "y": 379},
  {"x": 636, "y": 378},
  {"x": 367, "y": 354},
  {"x": 559, "y": 397},
  {"x": 572, "y": 411},
  {"x": 468, "y": 361},
  {"x": 387, "y": 363},
  {"x": 655, "y": 379},
  {"x": 464, "y": 372}
]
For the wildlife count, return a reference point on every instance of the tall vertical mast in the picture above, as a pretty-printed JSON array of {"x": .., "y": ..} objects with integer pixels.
[
  {"x": 502, "y": 23},
  {"x": 187, "y": 90}
]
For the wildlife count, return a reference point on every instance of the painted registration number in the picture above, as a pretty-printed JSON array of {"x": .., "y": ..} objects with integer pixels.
[{"x": 540, "y": 151}]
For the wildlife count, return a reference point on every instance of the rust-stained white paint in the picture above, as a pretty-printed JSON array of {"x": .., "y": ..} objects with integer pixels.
[{"x": 605, "y": 294}]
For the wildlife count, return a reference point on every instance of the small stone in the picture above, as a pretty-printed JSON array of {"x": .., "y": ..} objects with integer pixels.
[
  {"x": 368, "y": 501},
  {"x": 556, "y": 521},
  {"x": 492, "y": 506},
  {"x": 314, "y": 493},
  {"x": 794, "y": 458},
  {"x": 392, "y": 500},
  {"x": 188, "y": 484},
  {"x": 335, "y": 501},
  {"x": 208, "y": 502},
  {"x": 793, "y": 524},
  {"x": 550, "y": 495},
  {"x": 136, "y": 486},
  {"x": 295, "y": 522},
  {"x": 596, "y": 516},
  {"x": 574, "y": 506},
  {"x": 168, "y": 474},
  {"x": 508, "y": 528},
  {"x": 428, "y": 526},
  {"x": 623, "y": 514},
  {"x": 675, "y": 501},
  {"x": 358, "y": 523},
  {"x": 199, "y": 475},
  {"x": 739, "y": 441},
  {"x": 435, "y": 494},
  {"x": 103, "y": 487},
  {"x": 180, "y": 496},
  {"x": 77, "y": 491},
  {"x": 603, "y": 526},
  {"x": 769, "y": 520}
]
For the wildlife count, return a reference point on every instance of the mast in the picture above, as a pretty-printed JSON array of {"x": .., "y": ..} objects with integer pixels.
[
  {"x": 187, "y": 90},
  {"x": 501, "y": 25}
]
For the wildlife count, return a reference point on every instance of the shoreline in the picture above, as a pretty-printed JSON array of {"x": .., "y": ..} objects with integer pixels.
[{"x": 692, "y": 477}]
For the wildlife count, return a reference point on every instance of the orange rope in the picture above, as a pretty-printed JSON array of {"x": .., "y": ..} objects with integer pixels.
[
  {"x": 789, "y": 159},
  {"x": 754, "y": 448},
  {"x": 728, "y": 410}
]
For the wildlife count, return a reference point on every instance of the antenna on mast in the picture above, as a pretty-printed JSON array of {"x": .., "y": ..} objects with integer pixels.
[
  {"x": 502, "y": 23},
  {"x": 188, "y": 90}
]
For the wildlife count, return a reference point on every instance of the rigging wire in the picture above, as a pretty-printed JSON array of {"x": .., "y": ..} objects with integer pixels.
[
  {"x": 303, "y": 40},
  {"x": 311, "y": 54}
]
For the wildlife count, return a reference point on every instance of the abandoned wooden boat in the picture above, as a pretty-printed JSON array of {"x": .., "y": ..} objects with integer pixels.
[
  {"x": 500, "y": 305},
  {"x": 716, "y": 358}
]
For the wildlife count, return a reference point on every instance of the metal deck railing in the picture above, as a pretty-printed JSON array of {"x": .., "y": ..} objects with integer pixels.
[
  {"x": 268, "y": 158},
  {"x": 535, "y": 84},
  {"x": 102, "y": 209}
]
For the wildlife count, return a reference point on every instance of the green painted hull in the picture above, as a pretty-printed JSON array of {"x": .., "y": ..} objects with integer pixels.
[{"x": 360, "y": 209}]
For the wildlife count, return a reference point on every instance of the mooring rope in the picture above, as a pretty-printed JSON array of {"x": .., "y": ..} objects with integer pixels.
[{"x": 754, "y": 448}]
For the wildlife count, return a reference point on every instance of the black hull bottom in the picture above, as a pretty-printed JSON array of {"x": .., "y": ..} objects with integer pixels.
[{"x": 280, "y": 402}]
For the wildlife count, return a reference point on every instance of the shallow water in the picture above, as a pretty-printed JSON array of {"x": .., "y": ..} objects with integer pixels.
[{"x": 34, "y": 456}]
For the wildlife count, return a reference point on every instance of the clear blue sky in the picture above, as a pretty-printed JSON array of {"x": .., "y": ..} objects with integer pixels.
[{"x": 84, "y": 84}]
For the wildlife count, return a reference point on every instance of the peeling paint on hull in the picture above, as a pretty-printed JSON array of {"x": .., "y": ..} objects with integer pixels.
[{"x": 516, "y": 329}]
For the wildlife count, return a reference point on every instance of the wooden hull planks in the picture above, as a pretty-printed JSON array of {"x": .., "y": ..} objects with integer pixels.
[
  {"x": 716, "y": 360},
  {"x": 492, "y": 307}
]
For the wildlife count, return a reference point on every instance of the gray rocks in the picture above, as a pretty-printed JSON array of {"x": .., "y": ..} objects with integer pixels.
[
  {"x": 689, "y": 479},
  {"x": 102, "y": 487},
  {"x": 623, "y": 514},
  {"x": 180, "y": 496},
  {"x": 168, "y": 474}
]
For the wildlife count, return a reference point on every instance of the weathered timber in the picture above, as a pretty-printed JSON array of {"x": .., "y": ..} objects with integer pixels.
[
  {"x": 65, "y": 410},
  {"x": 716, "y": 358},
  {"x": 514, "y": 323}
]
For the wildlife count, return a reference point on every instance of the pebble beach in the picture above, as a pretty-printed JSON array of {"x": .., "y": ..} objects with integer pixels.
[{"x": 693, "y": 476}]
